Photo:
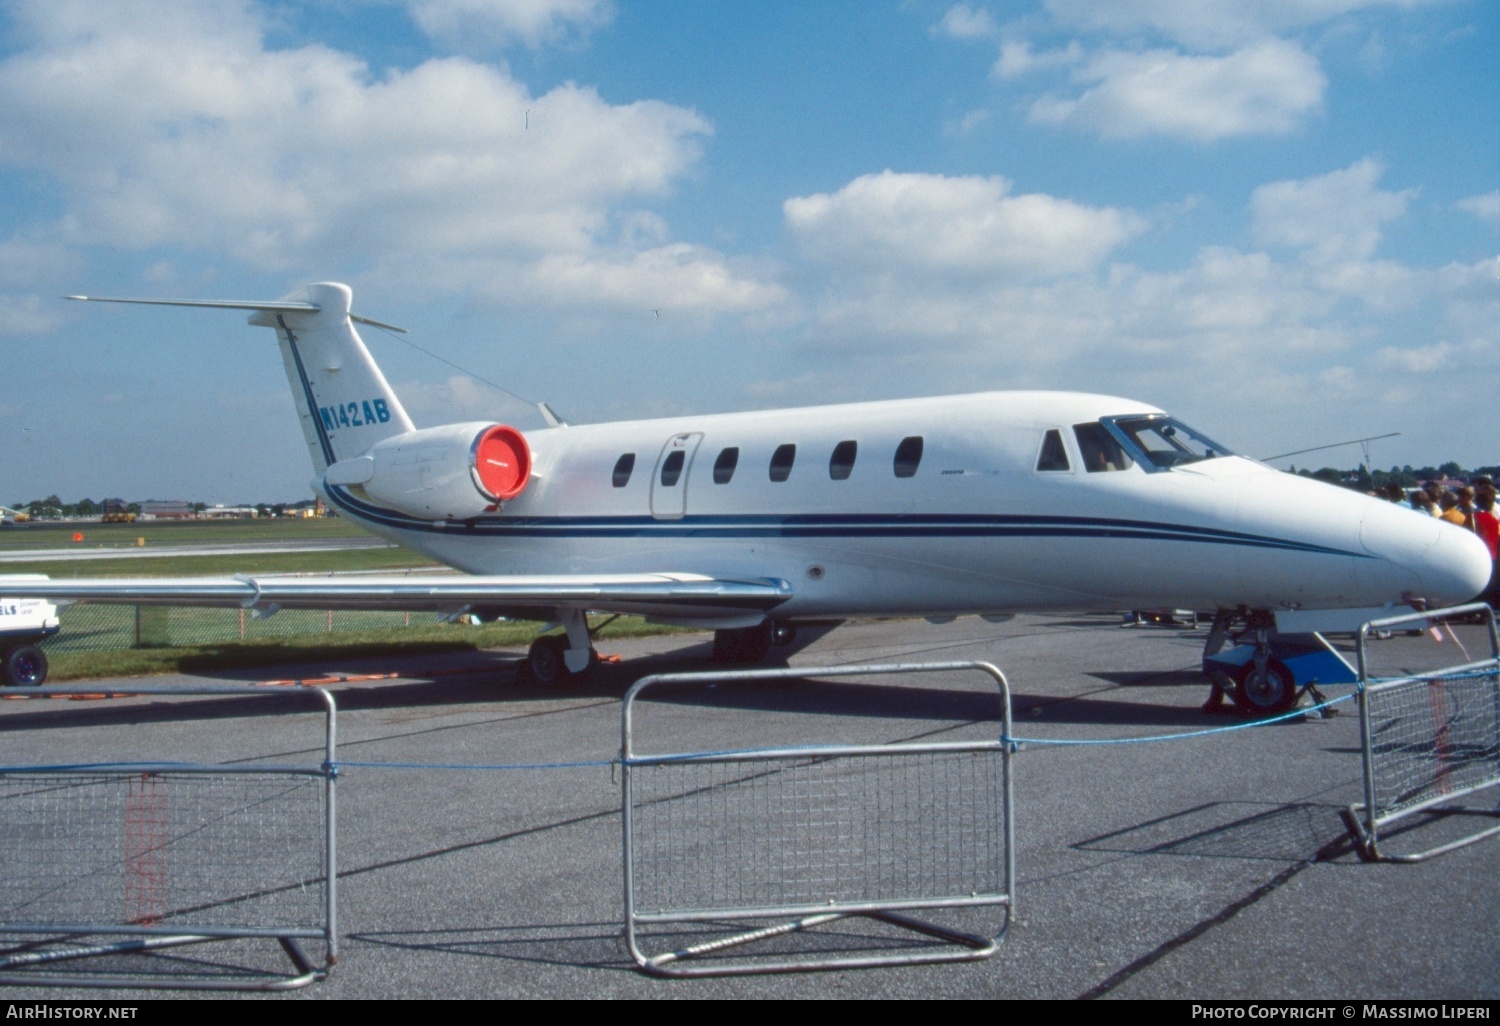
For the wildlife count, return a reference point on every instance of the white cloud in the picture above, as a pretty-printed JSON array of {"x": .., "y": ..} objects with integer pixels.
[
  {"x": 676, "y": 277},
  {"x": 1418, "y": 360},
  {"x": 27, "y": 262},
  {"x": 923, "y": 223},
  {"x": 1017, "y": 58},
  {"x": 1333, "y": 217},
  {"x": 1277, "y": 348},
  {"x": 467, "y": 24},
  {"x": 1210, "y": 24},
  {"x": 305, "y": 157},
  {"x": 1486, "y": 207},
  {"x": 961, "y": 21},
  {"x": 1265, "y": 88},
  {"x": 27, "y": 314}
]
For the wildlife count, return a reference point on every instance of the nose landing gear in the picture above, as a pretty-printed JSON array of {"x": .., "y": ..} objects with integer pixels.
[{"x": 1266, "y": 673}]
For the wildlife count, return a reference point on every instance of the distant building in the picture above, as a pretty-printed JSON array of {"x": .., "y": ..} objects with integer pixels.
[
  {"x": 230, "y": 513},
  {"x": 167, "y": 509}
]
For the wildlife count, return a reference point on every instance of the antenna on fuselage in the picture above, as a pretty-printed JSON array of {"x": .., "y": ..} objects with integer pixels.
[{"x": 1363, "y": 443}]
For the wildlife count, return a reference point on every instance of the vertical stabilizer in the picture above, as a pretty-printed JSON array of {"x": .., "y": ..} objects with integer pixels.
[{"x": 345, "y": 403}]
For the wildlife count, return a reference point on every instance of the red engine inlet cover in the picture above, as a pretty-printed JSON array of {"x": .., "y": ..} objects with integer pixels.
[{"x": 502, "y": 462}]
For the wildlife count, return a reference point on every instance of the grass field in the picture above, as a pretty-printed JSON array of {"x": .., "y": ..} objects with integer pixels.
[
  {"x": 142, "y": 537},
  {"x": 319, "y": 562},
  {"x": 55, "y": 534}
]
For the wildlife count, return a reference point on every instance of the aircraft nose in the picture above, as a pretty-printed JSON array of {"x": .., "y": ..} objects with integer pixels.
[
  {"x": 1450, "y": 565},
  {"x": 1456, "y": 568}
]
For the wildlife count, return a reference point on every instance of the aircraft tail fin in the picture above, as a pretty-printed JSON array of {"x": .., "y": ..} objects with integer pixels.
[{"x": 343, "y": 399}]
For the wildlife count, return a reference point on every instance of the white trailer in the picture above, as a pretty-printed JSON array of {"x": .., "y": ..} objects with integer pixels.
[{"x": 23, "y": 623}]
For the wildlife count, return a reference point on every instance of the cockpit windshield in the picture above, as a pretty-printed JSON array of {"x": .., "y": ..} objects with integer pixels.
[{"x": 1160, "y": 442}]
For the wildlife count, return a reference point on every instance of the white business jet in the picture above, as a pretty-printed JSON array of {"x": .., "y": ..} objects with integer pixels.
[{"x": 750, "y": 523}]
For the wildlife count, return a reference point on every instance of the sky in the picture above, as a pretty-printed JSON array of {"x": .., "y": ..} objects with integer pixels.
[{"x": 1278, "y": 220}]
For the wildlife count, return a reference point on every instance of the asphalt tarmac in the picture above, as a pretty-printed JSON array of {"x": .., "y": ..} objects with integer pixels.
[{"x": 1215, "y": 866}]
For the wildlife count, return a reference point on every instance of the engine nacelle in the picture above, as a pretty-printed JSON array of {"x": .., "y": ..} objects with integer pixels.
[{"x": 451, "y": 472}]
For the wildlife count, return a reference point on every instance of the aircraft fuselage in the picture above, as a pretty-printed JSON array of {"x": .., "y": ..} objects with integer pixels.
[{"x": 977, "y": 515}]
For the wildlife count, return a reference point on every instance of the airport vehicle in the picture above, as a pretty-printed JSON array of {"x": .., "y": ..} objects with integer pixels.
[
  {"x": 23, "y": 623},
  {"x": 752, "y": 523},
  {"x": 116, "y": 512}
]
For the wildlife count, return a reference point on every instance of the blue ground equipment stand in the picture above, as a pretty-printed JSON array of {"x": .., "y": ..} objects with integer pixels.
[{"x": 1294, "y": 664}]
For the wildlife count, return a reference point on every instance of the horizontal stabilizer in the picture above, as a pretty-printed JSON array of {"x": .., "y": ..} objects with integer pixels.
[{"x": 276, "y": 306}]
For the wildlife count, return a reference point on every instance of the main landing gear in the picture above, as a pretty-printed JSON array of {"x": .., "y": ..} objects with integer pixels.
[
  {"x": 568, "y": 657},
  {"x": 751, "y": 644},
  {"x": 547, "y": 661},
  {"x": 561, "y": 658}
]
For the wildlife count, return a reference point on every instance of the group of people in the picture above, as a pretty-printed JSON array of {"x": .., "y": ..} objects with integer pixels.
[{"x": 1470, "y": 506}]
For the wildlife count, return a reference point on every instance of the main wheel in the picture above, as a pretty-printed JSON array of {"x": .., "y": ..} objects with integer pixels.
[
  {"x": 545, "y": 663},
  {"x": 1267, "y": 695},
  {"x": 25, "y": 666}
]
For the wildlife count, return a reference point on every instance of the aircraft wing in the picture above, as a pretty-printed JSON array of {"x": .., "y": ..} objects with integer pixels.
[{"x": 664, "y": 594}]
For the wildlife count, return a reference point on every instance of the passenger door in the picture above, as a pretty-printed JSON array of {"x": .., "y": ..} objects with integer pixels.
[{"x": 669, "y": 478}]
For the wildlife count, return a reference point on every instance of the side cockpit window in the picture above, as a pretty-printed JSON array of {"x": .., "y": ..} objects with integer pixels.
[
  {"x": 1053, "y": 456},
  {"x": 1099, "y": 449}
]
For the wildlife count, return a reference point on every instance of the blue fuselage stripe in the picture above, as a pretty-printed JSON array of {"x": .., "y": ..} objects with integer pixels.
[{"x": 831, "y": 526}]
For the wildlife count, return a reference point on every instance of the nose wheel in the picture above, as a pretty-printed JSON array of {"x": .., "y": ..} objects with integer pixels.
[{"x": 1266, "y": 691}]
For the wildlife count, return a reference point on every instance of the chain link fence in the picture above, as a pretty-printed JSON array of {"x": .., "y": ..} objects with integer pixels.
[
  {"x": 718, "y": 843},
  {"x": 103, "y": 859},
  {"x": 1430, "y": 737}
]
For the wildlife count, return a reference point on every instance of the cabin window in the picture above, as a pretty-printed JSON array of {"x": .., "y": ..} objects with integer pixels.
[
  {"x": 725, "y": 464},
  {"x": 1053, "y": 455},
  {"x": 841, "y": 463},
  {"x": 1099, "y": 449},
  {"x": 909, "y": 456},
  {"x": 781, "y": 461},
  {"x": 623, "y": 466},
  {"x": 671, "y": 467}
]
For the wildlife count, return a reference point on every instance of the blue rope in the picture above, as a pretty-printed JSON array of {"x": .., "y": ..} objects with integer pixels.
[
  {"x": 1185, "y": 734},
  {"x": 476, "y": 766},
  {"x": 1465, "y": 675},
  {"x": 334, "y": 768}
]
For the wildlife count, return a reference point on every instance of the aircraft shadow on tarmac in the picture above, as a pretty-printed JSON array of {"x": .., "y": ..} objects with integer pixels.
[{"x": 493, "y": 676}]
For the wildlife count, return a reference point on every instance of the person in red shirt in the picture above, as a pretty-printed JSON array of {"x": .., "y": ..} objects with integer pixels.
[{"x": 1488, "y": 528}]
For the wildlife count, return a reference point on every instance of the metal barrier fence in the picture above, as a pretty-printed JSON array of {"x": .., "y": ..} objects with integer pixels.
[
  {"x": 100, "y": 628},
  {"x": 1429, "y": 738},
  {"x": 814, "y": 835},
  {"x": 167, "y": 854}
]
